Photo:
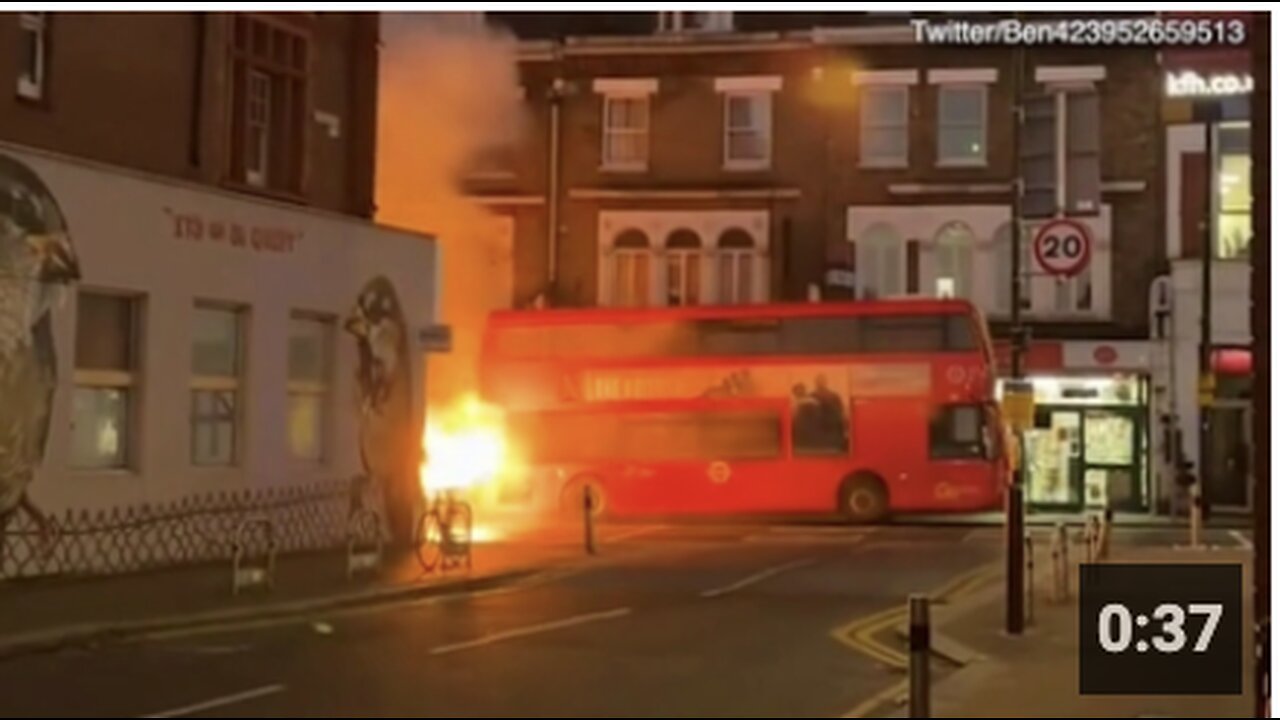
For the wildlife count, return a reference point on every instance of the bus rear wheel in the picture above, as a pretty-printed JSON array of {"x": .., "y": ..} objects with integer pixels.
[{"x": 864, "y": 499}]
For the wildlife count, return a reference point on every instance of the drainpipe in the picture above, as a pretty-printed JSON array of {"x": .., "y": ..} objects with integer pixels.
[{"x": 555, "y": 97}]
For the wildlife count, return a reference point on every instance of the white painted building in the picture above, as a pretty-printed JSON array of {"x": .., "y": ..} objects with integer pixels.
[
  {"x": 205, "y": 348},
  {"x": 1212, "y": 185}
]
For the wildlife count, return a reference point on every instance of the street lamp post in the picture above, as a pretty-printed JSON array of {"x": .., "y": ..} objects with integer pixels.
[
  {"x": 1206, "y": 384},
  {"x": 1015, "y": 525}
]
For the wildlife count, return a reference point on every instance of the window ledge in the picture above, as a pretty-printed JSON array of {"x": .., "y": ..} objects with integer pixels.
[
  {"x": 490, "y": 175},
  {"x": 625, "y": 168},
  {"x": 221, "y": 473},
  {"x": 748, "y": 165},
  {"x": 883, "y": 164},
  {"x": 103, "y": 474},
  {"x": 247, "y": 188},
  {"x": 963, "y": 164}
]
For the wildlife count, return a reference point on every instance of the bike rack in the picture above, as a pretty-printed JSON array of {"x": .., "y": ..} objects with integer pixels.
[
  {"x": 245, "y": 572},
  {"x": 364, "y": 542},
  {"x": 1061, "y": 551},
  {"x": 457, "y": 550}
]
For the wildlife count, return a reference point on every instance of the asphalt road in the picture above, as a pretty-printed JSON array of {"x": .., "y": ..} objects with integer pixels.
[{"x": 707, "y": 622}]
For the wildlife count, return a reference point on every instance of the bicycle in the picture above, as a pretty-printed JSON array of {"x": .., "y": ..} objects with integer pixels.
[{"x": 444, "y": 534}]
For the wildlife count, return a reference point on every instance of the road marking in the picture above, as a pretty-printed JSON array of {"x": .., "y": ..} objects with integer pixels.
[
  {"x": 532, "y": 630},
  {"x": 981, "y": 535},
  {"x": 892, "y": 694},
  {"x": 862, "y": 634},
  {"x": 219, "y": 702},
  {"x": 1243, "y": 539},
  {"x": 847, "y": 540},
  {"x": 757, "y": 578}
]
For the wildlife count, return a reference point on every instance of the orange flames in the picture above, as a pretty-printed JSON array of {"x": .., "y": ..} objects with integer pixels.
[
  {"x": 465, "y": 448},
  {"x": 466, "y": 454}
]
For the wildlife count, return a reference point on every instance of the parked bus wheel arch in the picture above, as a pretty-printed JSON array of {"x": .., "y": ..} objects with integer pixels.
[{"x": 864, "y": 498}]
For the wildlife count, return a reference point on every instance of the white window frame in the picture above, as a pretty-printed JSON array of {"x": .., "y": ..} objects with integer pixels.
[
  {"x": 864, "y": 160},
  {"x": 610, "y": 164},
  {"x": 983, "y": 126},
  {"x": 762, "y": 125},
  {"x": 1002, "y": 291},
  {"x": 688, "y": 261},
  {"x": 222, "y": 383},
  {"x": 127, "y": 381},
  {"x": 730, "y": 295},
  {"x": 1218, "y": 210},
  {"x": 960, "y": 253},
  {"x": 1068, "y": 293},
  {"x": 888, "y": 252},
  {"x": 31, "y": 81},
  {"x": 257, "y": 166},
  {"x": 628, "y": 295},
  {"x": 321, "y": 389}
]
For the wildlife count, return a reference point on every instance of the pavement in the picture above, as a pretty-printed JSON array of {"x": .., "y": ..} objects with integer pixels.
[
  {"x": 1221, "y": 519},
  {"x": 1037, "y": 675},
  {"x": 709, "y": 620},
  {"x": 42, "y": 615}
]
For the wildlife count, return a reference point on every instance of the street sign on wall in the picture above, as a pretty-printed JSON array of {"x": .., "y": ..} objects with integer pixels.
[{"x": 436, "y": 338}]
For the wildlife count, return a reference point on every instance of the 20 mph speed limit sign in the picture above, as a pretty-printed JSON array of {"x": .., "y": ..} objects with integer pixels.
[{"x": 1063, "y": 248}]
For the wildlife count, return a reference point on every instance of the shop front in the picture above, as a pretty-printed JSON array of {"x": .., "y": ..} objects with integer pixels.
[{"x": 1089, "y": 448}]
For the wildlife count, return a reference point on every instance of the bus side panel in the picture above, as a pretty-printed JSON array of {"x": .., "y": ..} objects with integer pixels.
[
  {"x": 658, "y": 488},
  {"x": 890, "y": 439},
  {"x": 966, "y": 485}
]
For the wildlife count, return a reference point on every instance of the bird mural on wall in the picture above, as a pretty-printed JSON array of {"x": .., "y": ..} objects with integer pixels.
[
  {"x": 37, "y": 261},
  {"x": 389, "y": 447}
]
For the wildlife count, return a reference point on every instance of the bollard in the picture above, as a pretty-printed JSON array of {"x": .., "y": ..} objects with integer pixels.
[
  {"x": 1197, "y": 515},
  {"x": 1061, "y": 564},
  {"x": 1091, "y": 539},
  {"x": 1031, "y": 580},
  {"x": 364, "y": 542},
  {"x": 245, "y": 573},
  {"x": 921, "y": 643},
  {"x": 589, "y": 518},
  {"x": 1104, "y": 535}
]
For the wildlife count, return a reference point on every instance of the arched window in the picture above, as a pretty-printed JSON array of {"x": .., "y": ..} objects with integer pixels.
[
  {"x": 632, "y": 269},
  {"x": 880, "y": 262},
  {"x": 953, "y": 261},
  {"x": 1002, "y": 246},
  {"x": 736, "y": 267},
  {"x": 684, "y": 268}
]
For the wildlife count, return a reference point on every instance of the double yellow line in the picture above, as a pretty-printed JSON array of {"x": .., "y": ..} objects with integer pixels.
[{"x": 862, "y": 635}]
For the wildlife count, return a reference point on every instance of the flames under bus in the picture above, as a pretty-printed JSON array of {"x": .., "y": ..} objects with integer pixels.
[{"x": 864, "y": 409}]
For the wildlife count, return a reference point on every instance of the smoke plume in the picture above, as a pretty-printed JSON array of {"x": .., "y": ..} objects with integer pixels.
[{"x": 448, "y": 93}]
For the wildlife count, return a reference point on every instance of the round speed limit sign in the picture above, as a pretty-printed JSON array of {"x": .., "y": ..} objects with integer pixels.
[{"x": 1063, "y": 247}]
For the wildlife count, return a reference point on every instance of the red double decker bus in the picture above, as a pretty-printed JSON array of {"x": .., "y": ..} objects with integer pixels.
[{"x": 865, "y": 409}]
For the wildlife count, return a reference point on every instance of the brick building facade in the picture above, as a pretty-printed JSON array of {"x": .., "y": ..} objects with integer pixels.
[
  {"x": 745, "y": 159},
  {"x": 169, "y": 94}
]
